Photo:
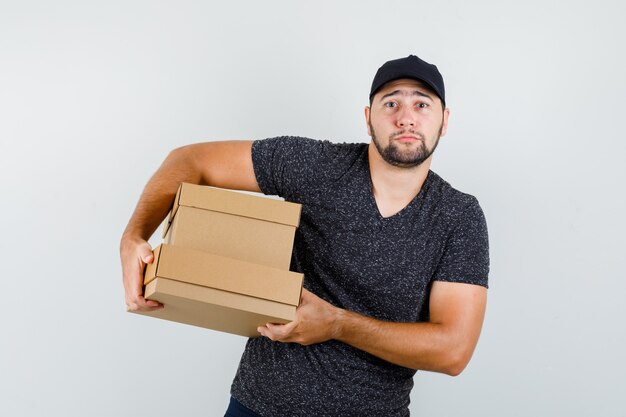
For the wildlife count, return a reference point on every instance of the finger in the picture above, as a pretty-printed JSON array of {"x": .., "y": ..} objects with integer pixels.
[
  {"x": 154, "y": 305},
  {"x": 149, "y": 303},
  {"x": 281, "y": 331},
  {"x": 144, "y": 307},
  {"x": 147, "y": 259},
  {"x": 262, "y": 330},
  {"x": 145, "y": 253},
  {"x": 146, "y": 256},
  {"x": 269, "y": 331},
  {"x": 139, "y": 303},
  {"x": 266, "y": 332},
  {"x": 135, "y": 307}
]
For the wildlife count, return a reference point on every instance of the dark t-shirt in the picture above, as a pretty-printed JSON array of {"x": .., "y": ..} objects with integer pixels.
[{"x": 358, "y": 260}]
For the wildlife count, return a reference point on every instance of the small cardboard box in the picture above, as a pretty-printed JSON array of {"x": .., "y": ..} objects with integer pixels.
[
  {"x": 219, "y": 293},
  {"x": 232, "y": 224}
]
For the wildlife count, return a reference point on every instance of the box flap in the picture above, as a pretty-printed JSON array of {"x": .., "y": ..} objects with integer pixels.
[
  {"x": 173, "y": 211},
  {"x": 233, "y": 202},
  {"x": 227, "y": 274}
]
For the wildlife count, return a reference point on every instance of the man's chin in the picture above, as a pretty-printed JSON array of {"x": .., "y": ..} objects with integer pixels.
[
  {"x": 404, "y": 161},
  {"x": 402, "y": 154}
]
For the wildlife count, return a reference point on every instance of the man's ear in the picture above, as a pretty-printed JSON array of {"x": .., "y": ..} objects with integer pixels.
[
  {"x": 367, "y": 120},
  {"x": 444, "y": 122}
]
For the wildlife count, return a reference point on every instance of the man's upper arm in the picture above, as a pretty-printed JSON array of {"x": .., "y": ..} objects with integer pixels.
[
  {"x": 461, "y": 309},
  {"x": 226, "y": 164}
]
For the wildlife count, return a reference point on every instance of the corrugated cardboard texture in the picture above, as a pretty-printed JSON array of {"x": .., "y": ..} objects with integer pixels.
[
  {"x": 225, "y": 201},
  {"x": 226, "y": 266},
  {"x": 214, "y": 309},
  {"x": 227, "y": 274},
  {"x": 219, "y": 293},
  {"x": 233, "y": 236}
]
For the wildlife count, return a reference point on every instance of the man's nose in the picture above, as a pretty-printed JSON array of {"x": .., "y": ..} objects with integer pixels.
[{"x": 405, "y": 118}]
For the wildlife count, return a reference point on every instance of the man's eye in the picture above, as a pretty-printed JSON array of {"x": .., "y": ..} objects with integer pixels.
[
  {"x": 391, "y": 104},
  {"x": 422, "y": 105}
]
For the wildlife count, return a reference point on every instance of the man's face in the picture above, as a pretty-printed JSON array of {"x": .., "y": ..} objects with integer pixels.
[{"x": 405, "y": 122}]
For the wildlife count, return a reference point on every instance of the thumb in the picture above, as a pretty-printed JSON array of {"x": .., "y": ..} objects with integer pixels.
[
  {"x": 147, "y": 259},
  {"x": 145, "y": 254}
]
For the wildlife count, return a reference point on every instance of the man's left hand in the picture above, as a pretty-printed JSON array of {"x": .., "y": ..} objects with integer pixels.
[{"x": 316, "y": 321}]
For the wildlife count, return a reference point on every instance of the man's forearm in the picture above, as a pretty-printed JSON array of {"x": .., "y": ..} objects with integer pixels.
[
  {"x": 226, "y": 164},
  {"x": 444, "y": 344},
  {"x": 153, "y": 205},
  {"x": 424, "y": 346},
  {"x": 156, "y": 199}
]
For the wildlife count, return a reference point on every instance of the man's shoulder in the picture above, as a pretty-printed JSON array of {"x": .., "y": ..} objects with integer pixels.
[
  {"x": 452, "y": 200},
  {"x": 321, "y": 153},
  {"x": 325, "y": 146},
  {"x": 294, "y": 166}
]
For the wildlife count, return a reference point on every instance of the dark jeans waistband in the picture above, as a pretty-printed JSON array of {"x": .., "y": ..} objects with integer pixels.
[{"x": 236, "y": 409}]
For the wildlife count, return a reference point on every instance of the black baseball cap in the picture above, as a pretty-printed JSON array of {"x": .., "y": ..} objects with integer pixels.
[{"x": 410, "y": 67}]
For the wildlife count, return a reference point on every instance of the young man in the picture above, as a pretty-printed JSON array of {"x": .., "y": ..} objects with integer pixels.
[{"x": 395, "y": 259}]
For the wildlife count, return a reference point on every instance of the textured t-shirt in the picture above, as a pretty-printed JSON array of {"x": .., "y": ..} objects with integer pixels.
[{"x": 356, "y": 259}]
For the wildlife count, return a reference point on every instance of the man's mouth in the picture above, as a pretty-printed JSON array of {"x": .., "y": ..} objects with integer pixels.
[
  {"x": 407, "y": 136},
  {"x": 407, "y": 139}
]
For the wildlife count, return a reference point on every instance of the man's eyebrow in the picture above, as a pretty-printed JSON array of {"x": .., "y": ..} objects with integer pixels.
[{"x": 413, "y": 93}]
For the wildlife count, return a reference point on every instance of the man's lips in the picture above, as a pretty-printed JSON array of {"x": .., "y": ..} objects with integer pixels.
[{"x": 407, "y": 139}]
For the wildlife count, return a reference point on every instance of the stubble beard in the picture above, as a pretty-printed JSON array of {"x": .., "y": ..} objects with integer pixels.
[{"x": 395, "y": 155}]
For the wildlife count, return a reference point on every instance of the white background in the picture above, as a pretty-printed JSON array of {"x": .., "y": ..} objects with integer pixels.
[{"x": 93, "y": 95}]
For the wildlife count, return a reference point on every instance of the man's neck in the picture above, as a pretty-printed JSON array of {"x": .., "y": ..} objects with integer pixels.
[{"x": 394, "y": 187}]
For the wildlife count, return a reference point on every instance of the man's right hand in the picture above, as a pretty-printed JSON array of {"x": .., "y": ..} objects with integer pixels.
[{"x": 135, "y": 254}]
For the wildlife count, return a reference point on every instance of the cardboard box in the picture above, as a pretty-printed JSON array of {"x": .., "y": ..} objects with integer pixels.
[
  {"x": 232, "y": 224},
  {"x": 219, "y": 293}
]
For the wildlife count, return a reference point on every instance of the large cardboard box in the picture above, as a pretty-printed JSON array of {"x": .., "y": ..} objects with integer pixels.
[
  {"x": 236, "y": 225},
  {"x": 219, "y": 293}
]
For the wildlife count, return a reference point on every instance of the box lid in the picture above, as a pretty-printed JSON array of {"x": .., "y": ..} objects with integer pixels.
[
  {"x": 233, "y": 202},
  {"x": 220, "y": 272}
]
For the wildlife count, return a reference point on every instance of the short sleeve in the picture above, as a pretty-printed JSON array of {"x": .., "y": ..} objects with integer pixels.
[
  {"x": 465, "y": 257},
  {"x": 283, "y": 164},
  {"x": 296, "y": 168}
]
